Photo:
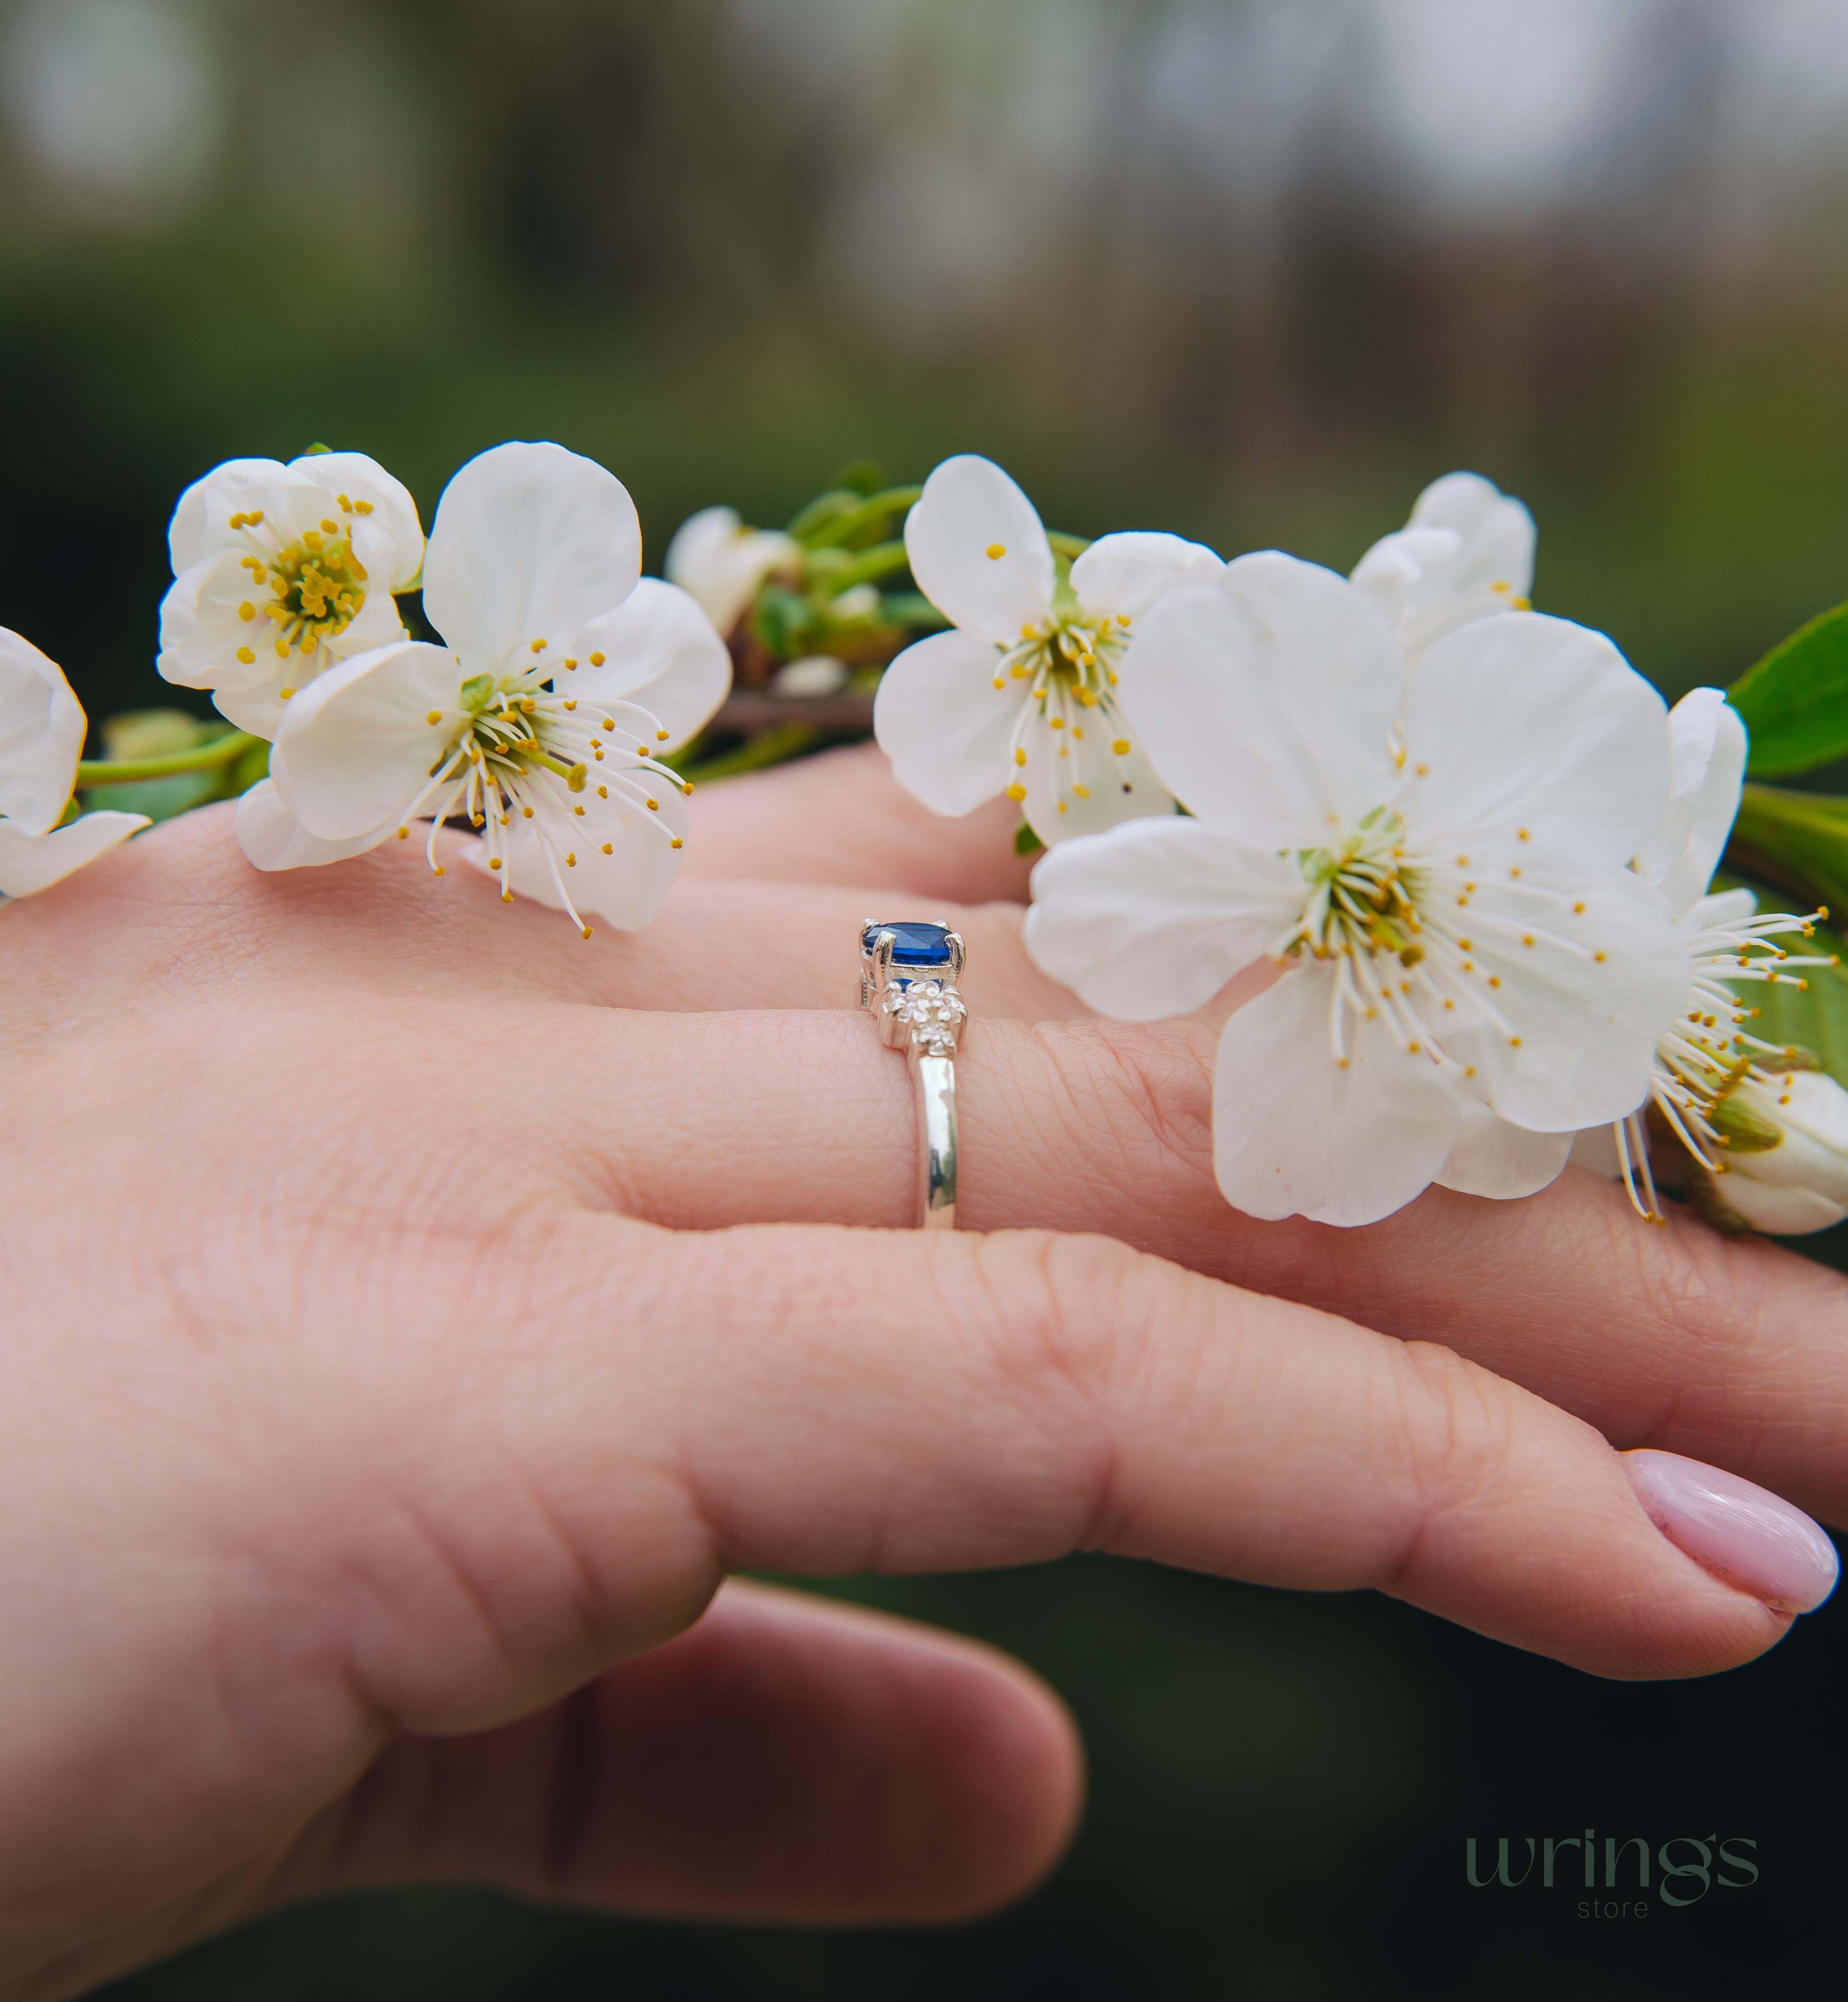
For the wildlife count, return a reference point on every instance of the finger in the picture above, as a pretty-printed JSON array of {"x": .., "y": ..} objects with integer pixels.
[
  {"x": 842, "y": 818},
  {"x": 827, "y": 1401},
  {"x": 1729, "y": 1350},
  {"x": 786, "y": 1759},
  {"x": 381, "y": 922}
]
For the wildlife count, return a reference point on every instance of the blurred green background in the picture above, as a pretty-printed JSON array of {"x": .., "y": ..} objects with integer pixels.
[{"x": 1252, "y": 272}]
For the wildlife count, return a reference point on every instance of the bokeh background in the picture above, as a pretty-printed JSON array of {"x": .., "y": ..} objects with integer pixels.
[{"x": 1254, "y": 271}]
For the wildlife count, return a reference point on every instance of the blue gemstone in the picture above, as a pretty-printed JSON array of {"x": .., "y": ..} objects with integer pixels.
[{"x": 912, "y": 945}]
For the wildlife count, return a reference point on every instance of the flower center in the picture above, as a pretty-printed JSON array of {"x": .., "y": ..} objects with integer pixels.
[
  {"x": 1364, "y": 895},
  {"x": 317, "y": 585},
  {"x": 1067, "y": 663},
  {"x": 521, "y": 749}
]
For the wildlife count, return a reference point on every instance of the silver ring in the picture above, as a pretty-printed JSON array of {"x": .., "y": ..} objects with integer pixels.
[{"x": 908, "y": 974}]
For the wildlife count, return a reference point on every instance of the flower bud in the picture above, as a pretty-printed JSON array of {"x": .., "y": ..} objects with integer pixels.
[{"x": 1785, "y": 1168}]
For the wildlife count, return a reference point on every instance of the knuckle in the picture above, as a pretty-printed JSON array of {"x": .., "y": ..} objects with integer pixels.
[
  {"x": 1451, "y": 1431},
  {"x": 1074, "y": 1326},
  {"x": 1137, "y": 1095}
]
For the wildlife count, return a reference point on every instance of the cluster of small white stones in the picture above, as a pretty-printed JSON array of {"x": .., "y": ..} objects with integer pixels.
[{"x": 932, "y": 1010}]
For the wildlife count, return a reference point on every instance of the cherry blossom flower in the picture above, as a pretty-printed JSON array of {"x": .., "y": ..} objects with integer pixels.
[
  {"x": 1467, "y": 552},
  {"x": 565, "y": 678},
  {"x": 280, "y": 572},
  {"x": 42, "y": 730},
  {"x": 1022, "y": 697},
  {"x": 1439, "y": 859},
  {"x": 723, "y": 563},
  {"x": 1759, "y": 1114}
]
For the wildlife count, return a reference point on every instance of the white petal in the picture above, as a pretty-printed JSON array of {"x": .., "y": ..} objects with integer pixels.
[
  {"x": 1466, "y": 553},
  {"x": 272, "y": 837},
  {"x": 1707, "y": 760},
  {"x": 1293, "y": 1134},
  {"x": 357, "y": 746},
  {"x": 1531, "y": 722},
  {"x": 1722, "y": 912},
  {"x": 624, "y": 888},
  {"x": 1586, "y": 1027},
  {"x": 1123, "y": 575},
  {"x": 1116, "y": 787},
  {"x": 969, "y": 508},
  {"x": 203, "y": 634},
  {"x": 945, "y": 726},
  {"x": 201, "y": 516},
  {"x": 1491, "y": 1158},
  {"x": 29, "y": 862},
  {"x": 42, "y": 727},
  {"x": 660, "y": 651},
  {"x": 1780, "y": 1212},
  {"x": 1266, "y": 702},
  {"x": 722, "y": 563},
  {"x": 530, "y": 543},
  {"x": 1154, "y": 917},
  {"x": 390, "y": 539}
]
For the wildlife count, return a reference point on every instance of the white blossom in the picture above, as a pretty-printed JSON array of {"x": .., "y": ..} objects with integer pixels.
[
  {"x": 281, "y": 571},
  {"x": 1021, "y": 697},
  {"x": 1439, "y": 858},
  {"x": 1466, "y": 553},
  {"x": 566, "y": 678},
  {"x": 1757, "y": 1113},
  {"x": 42, "y": 730},
  {"x": 723, "y": 563}
]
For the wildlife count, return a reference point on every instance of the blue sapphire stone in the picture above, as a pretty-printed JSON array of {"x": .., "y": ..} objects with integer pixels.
[{"x": 912, "y": 944}]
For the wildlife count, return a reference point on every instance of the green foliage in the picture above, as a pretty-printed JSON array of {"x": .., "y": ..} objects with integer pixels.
[
  {"x": 1809, "y": 1013},
  {"x": 1795, "y": 700},
  {"x": 1026, "y": 841},
  {"x": 158, "y": 733}
]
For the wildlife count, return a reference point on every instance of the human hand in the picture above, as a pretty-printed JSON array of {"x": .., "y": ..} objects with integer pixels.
[{"x": 417, "y": 1313}]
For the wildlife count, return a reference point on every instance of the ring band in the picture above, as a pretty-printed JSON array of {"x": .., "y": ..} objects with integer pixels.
[{"x": 907, "y": 975}]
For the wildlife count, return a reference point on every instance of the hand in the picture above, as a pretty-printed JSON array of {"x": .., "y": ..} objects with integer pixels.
[{"x": 416, "y": 1313}]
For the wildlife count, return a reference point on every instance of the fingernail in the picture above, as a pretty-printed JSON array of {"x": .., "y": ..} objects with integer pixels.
[{"x": 1742, "y": 1533}]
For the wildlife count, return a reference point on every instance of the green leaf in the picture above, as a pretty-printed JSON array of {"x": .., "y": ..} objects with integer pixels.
[
  {"x": 1026, "y": 841},
  {"x": 1796, "y": 843},
  {"x": 1795, "y": 701}
]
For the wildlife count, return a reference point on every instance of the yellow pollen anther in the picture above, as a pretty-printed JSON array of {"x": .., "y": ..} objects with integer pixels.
[
  {"x": 997, "y": 551},
  {"x": 596, "y": 660},
  {"x": 1514, "y": 1042},
  {"x": 660, "y": 737},
  {"x": 435, "y": 715},
  {"x": 284, "y": 694},
  {"x": 537, "y": 647},
  {"x": 1083, "y": 792},
  {"x": 494, "y": 862},
  {"x": 654, "y": 806},
  {"x": 1494, "y": 980},
  {"x": 1016, "y": 794},
  {"x": 1058, "y": 723},
  {"x": 1527, "y": 938},
  {"x": 1121, "y": 747},
  {"x": 570, "y": 702},
  {"x": 1599, "y": 958},
  {"x": 603, "y": 792},
  {"x": 246, "y": 612},
  {"x": 676, "y": 842},
  {"x": 246, "y": 655},
  {"x": 404, "y": 834},
  {"x": 999, "y": 682},
  {"x": 577, "y": 810},
  {"x": 526, "y": 812},
  {"x": 1421, "y": 771},
  {"x": 1521, "y": 834},
  {"x": 1019, "y": 756}
]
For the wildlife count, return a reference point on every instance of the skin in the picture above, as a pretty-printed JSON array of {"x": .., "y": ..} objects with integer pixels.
[{"x": 417, "y": 1314}]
